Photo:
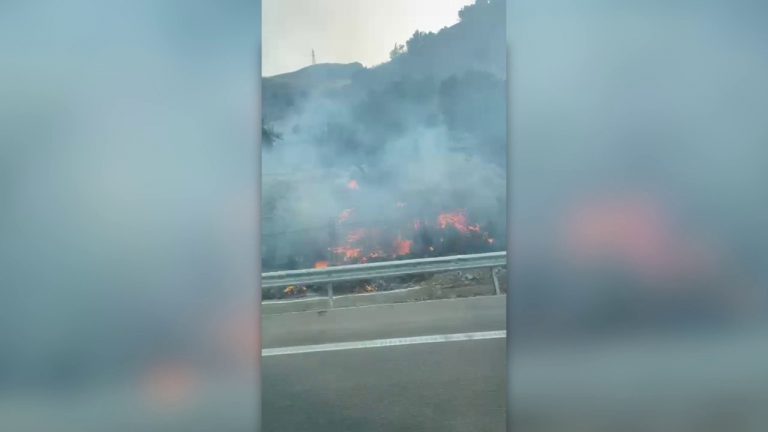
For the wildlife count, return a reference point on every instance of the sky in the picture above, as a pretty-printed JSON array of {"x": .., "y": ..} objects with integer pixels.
[{"x": 345, "y": 31}]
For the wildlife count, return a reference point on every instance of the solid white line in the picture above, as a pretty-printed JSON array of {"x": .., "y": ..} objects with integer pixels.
[{"x": 379, "y": 343}]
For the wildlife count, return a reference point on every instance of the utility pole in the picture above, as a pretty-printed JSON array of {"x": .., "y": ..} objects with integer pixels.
[{"x": 314, "y": 60}]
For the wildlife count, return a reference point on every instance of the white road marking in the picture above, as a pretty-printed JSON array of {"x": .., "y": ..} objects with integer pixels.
[{"x": 379, "y": 343}]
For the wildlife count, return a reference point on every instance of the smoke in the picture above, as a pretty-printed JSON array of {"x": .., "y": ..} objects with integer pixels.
[{"x": 421, "y": 135}]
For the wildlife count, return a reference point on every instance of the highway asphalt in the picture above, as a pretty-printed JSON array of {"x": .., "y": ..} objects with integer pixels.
[
  {"x": 705, "y": 381},
  {"x": 443, "y": 386},
  {"x": 476, "y": 314}
]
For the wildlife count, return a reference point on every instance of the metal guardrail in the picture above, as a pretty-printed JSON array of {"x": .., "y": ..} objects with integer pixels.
[{"x": 353, "y": 272}]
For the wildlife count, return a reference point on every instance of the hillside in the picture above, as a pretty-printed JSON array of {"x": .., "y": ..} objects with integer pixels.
[
  {"x": 476, "y": 43},
  {"x": 421, "y": 135},
  {"x": 281, "y": 93}
]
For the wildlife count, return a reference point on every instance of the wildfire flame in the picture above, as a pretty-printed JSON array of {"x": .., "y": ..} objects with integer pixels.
[
  {"x": 372, "y": 255},
  {"x": 414, "y": 238},
  {"x": 353, "y": 185},
  {"x": 345, "y": 215},
  {"x": 403, "y": 247},
  {"x": 294, "y": 290},
  {"x": 348, "y": 253},
  {"x": 458, "y": 220}
]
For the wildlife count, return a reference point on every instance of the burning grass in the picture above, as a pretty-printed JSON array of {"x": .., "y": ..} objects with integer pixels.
[
  {"x": 444, "y": 234},
  {"x": 450, "y": 233}
]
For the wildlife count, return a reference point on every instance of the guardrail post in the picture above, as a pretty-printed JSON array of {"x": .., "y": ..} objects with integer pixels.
[
  {"x": 495, "y": 281},
  {"x": 332, "y": 241}
]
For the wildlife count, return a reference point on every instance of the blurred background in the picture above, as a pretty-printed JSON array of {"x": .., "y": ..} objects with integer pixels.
[
  {"x": 128, "y": 261},
  {"x": 128, "y": 173},
  {"x": 638, "y": 245}
]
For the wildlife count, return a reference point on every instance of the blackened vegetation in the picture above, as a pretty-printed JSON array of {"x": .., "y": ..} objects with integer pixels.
[
  {"x": 427, "y": 128},
  {"x": 428, "y": 240},
  {"x": 481, "y": 113},
  {"x": 269, "y": 136}
]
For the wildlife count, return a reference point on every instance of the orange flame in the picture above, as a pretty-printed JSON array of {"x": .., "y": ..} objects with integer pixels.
[
  {"x": 353, "y": 185},
  {"x": 457, "y": 220},
  {"x": 294, "y": 290},
  {"x": 321, "y": 264},
  {"x": 372, "y": 255},
  {"x": 345, "y": 215},
  {"x": 364, "y": 245},
  {"x": 403, "y": 247},
  {"x": 348, "y": 252}
]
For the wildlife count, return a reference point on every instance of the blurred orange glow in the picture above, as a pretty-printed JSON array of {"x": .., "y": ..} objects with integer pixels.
[
  {"x": 635, "y": 231},
  {"x": 169, "y": 385}
]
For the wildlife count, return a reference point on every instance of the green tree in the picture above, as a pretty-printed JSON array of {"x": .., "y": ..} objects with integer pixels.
[
  {"x": 476, "y": 9},
  {"x": 397, "y": 51},
  {"x": 419, "y": 40}
]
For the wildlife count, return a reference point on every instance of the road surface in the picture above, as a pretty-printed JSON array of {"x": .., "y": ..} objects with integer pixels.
[
  {"x": 683, "y": 381},
  {"x": 416, "y": 383}
]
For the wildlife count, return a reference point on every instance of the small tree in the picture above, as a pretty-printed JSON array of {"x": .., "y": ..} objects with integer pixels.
[
  {"x": 418, "y": 40},
  {"x": 398, "y": 50},
  {"x": 469, "y": 11},
  {"x": 269, "y": 136}
]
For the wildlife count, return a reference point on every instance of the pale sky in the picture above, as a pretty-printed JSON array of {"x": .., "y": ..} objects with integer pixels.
[{"x": 345, "y": 31}]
